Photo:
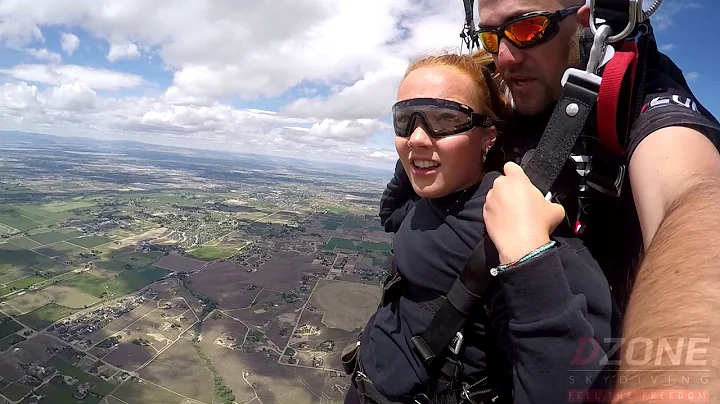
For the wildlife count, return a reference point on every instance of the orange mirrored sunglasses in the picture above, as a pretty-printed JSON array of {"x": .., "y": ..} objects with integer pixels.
[{"x": 525, "y": 31}]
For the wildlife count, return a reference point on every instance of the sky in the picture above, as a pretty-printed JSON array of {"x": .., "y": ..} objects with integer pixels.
[{"x": 313, "y": 79}]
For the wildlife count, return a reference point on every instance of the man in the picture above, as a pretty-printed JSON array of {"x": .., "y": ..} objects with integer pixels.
[
  {"x": 674, "y": 174},
  {"x": 668, "y": 213}
]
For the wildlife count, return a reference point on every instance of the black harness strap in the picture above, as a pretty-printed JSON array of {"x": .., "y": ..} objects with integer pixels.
[
  {"x": 392, "y": 282},
  {"x": 568, "y": 120},
  {"x": 616, "y": 13},
  {"x": 464, "y": 296}
]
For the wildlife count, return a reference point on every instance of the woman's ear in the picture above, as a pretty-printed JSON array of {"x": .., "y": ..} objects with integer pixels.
[{"x": 490, "y": 139}]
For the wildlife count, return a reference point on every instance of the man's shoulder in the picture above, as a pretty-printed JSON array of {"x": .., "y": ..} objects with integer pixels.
[{"x": 668, "y": 101}]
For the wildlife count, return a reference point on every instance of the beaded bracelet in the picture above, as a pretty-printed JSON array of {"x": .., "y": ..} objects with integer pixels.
[{"x": 500, "y": 268}]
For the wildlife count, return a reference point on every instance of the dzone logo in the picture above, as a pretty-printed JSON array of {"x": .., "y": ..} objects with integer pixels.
[{"x": 671, "y": 100}]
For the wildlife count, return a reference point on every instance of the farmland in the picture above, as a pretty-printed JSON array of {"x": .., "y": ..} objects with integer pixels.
[{"x": 158, "y": 276}]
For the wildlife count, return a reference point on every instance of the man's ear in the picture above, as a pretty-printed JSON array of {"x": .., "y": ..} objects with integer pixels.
[{"x": 583, "y": 16}]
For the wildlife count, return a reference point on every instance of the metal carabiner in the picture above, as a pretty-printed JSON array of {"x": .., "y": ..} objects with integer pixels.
[
  {"x": 597, "y": 54},
  {"x": 636, "y": 16},
  {"x": 599, "y": 47}
]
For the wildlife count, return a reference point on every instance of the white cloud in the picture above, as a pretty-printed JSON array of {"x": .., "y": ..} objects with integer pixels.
[
  {"x": 667, "y": 47},
  {"x": 99, "y": 79},
  {"x": 665, "y": 16},
  {"x": 68, "y": 97},
  {"x": 124, "y": 50},
  {"x": 253, "y": 49},
  {"x": 76, "y": 109},
  {"x": 371, "y": 96},
  {"x": 69, "y": 43},
  {"x": 690, "y": 76},
  {"x": 44, "y": 54},
  {"x": 343, "y": 58}
]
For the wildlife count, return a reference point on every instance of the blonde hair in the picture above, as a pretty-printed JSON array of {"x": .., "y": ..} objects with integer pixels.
[{"x": 490, "y": 90}]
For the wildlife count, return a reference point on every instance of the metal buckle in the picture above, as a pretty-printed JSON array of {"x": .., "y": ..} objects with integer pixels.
[
  {"x": 466, "y": 396},
  {"x": 597, "y": 53},
  {"x": 456, "y": 343},
  {"x": 636, "y": 16},
  {"x": 616, "y": 191},
  {"x": 421, "y": 399}
]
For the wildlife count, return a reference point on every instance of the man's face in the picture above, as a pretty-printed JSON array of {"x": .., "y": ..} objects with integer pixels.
[{"x": 534, "y": 74}]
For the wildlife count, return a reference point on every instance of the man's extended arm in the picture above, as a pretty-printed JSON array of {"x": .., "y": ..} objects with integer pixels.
[{"x": 675, "y": 176}]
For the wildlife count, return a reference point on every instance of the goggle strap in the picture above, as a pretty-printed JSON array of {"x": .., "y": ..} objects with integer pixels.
[{"x": 482, "y": 121}]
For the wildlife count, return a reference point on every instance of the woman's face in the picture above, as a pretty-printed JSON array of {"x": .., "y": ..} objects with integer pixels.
[{"x": 456, "y": 161}]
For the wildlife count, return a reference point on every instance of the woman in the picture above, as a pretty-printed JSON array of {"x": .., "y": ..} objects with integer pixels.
[{"x": 549, "y": 297}]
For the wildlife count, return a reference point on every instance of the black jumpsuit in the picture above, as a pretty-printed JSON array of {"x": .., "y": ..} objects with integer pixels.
[{"x": 545, "y": 314}]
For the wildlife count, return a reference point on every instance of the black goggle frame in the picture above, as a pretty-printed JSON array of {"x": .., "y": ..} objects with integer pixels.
[
  {"x": 419, "y": 108},
  {"x": 549, "y": 33}
]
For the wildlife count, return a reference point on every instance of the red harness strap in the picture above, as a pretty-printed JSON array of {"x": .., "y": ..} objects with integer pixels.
[{"x": 609, "y": 95}]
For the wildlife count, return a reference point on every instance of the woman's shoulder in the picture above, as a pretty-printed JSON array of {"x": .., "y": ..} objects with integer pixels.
[
  {"x": 467, "y": 215},
  {"x": 479, "y": 192}
]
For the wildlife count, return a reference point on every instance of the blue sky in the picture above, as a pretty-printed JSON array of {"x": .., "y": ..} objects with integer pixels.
[
  {"x": 687, "y": 32},
  {"x": 314, "y": 79}
]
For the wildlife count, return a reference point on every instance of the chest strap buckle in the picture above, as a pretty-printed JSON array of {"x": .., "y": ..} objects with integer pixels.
[
  {"x": 605, "y": 184},
  {"x": 456, "y": 343}
]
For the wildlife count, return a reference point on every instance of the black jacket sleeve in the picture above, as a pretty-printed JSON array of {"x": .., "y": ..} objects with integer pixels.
[
  {"x": 559, "y": 323},
  {"x": 397, "y": 200}
]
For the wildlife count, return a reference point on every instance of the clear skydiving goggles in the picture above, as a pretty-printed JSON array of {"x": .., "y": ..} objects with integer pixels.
[{"x": 439, "y": 117}]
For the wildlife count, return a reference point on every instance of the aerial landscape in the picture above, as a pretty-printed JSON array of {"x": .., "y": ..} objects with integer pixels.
[{"x": 135, "y": 273}]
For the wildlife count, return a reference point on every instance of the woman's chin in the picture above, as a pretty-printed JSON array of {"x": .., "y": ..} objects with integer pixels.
[{"x": 430, "y": 191}]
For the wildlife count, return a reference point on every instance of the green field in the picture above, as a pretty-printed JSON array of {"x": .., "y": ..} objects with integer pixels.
[
  {"x": 114, "y": 265},
  {"x": 376, "y": 246},
  {"x": 20, "y": 284},
  {"x": 126, "y": 282},
  {"x": 140, "y": 259},
  {"x": 338, "y": 210},
  {"x": 380, "y": 262},
  {"x": 8, "y": 342},
  {"x": 12, "y": 256},
  {"x": 44, "y": 316},
  {"x": 13, "y": 217},
  {"x": 57, "y": 207},
  {"x": 61, "y": 249},
  {"x": 353, "y": 224},
  {"x": 8, "y": 326},
  {"x": 336, "y": 242},
  {"x": 37, "y": 214},
  {"x": 53, "y": 268},
  {"x": 50, "y": 237},
  {"x": 9, "y": 275},
  {"x": 90, "y": 241},
  {"x": 24, "y": 242},
  {"x": 129, "y": 260},
  {"x": 331, "y": 224},
  {"x": 211, "y": 253},
  {"x": 27, "y": 217},
  {"x": 15, "y": 391}
]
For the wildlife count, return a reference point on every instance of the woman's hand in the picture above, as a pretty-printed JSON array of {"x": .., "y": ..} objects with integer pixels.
[{"x": 517, "y": 216}]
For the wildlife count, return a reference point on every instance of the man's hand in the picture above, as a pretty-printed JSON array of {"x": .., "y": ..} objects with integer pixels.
[{"x": 517, "y": 216}]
